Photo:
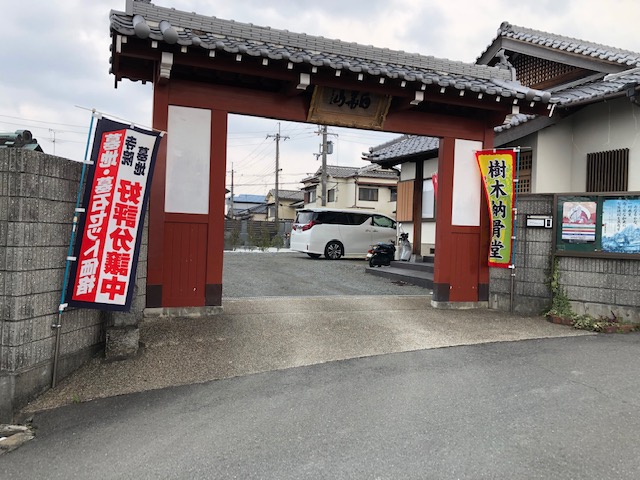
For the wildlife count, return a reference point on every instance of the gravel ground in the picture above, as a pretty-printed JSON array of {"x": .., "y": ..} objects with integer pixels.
[{"x": 293, "y": 274}]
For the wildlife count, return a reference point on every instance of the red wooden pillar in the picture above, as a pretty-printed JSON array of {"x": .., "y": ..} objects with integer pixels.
[
  {"x": 215, "y": 244},
  {"x": 156, "y": 201},
  {"x": 461, "y": 277},
  {"x": 186, "y": 249}
]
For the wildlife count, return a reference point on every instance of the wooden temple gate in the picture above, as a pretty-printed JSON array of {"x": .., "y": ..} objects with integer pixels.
[{"x": 204, "y": 69}]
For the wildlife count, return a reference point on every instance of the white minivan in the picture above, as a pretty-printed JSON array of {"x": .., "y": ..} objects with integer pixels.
[{"x": 338, "y": 233}]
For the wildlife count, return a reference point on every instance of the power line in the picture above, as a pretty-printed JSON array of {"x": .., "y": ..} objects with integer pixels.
[{"x": 86, "y": 129}]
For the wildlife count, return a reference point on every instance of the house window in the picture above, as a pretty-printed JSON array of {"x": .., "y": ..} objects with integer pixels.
[
  {"x": 272, "y": 211},
  {"x": 524, "y": 172},
  {"x": 331, "y": 195},
  {"x": 310, "y": 196},
  {"x": 608, "y": 171},
  {"x": 368, "y": 194},
  {"x": 394, "y": 194},
  {"x": 428, "y": 199}
]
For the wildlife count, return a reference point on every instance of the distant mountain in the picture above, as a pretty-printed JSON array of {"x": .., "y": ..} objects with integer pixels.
[{"x": 625, "y": 241}]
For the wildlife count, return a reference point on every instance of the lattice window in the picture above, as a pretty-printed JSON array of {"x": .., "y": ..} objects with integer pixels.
[
  {"x": 608, "y": 171},
  {"x": 524, "y": 172},
  {"x": 538, "y": 73}
]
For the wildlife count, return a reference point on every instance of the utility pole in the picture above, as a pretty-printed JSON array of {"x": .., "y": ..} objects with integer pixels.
[
  {"x": 53, "y": 133},
  {"x": 324, "y": 166},
  {"x": 326, "y": 148},
  {"x": 277, "y": 137}
]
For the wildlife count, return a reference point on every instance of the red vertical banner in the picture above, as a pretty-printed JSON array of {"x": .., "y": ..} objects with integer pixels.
[
  {"x": 497, "y": 168},
  {"x": 434, "y": 180},
  {"x": 111, "y": 228}
]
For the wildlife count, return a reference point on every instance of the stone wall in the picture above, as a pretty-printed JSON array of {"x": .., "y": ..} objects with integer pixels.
[
  {"x": 37, "y": 200},
  {"x": 596, "y": 286}
]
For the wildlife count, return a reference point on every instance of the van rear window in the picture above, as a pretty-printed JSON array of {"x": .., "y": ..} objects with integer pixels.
[{"x": 305, "y": 217}]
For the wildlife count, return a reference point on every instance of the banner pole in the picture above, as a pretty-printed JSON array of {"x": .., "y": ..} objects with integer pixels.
[
  {"x": 513, "y": 237},
  {"x": 58, "y": 325}
]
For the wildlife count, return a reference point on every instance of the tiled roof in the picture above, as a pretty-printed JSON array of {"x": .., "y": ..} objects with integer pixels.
[
  {"x": 515, "y": 121},
  {"x": 598, "y": 90},
  {"x": 369, "y": 171},
  {"x": 375, "y": 171},
  {"x": 568, "y": 44},
  {"x": 146, "y": 20},
  {"x": 288, "y": 194},
  {"x": 246, "y": 198},
  {"x": 339, "y": 172},
  {"x": 404, "y": 146},
  {"x": 592, "y": 90}
]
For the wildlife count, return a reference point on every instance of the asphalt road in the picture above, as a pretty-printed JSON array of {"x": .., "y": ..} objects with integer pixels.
[
  {"x": 257, "y": 274},
  {"x": 564, "y": 408}
]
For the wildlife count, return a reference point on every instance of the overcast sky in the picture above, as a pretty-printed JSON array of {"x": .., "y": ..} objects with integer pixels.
[{"x": 55, "y": 59}]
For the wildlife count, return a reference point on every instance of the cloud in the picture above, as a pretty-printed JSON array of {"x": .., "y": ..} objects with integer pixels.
[{"x": 56, "y": 57}]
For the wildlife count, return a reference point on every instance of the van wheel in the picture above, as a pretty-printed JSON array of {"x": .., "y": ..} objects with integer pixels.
[
  {"x": 314, "y": 255},
  {"x": 333, "y": 250}
]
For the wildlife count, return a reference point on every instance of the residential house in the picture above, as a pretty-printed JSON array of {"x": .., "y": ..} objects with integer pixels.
[
  {"x": 371, "y": 187},
  {"x": 246, "y": 206},
  {"x": 418, "y": 160},
  {"x": 585, "y": 144},
  {"x": 288, "y": 200},
  {"x": 592, "y": 125}
]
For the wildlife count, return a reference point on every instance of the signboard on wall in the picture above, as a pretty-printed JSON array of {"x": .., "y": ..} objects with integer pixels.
[
  {"x": 110, "y": 230},
  {"x": 497, "y": 168},
  {"x": 599, "y": 224},
  {"x": 348, "y": 108}
]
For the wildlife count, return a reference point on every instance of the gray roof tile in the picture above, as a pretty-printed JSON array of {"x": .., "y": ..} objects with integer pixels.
[
  {"x": 591, "y": 49},
  {"x": 288, "y": 194},
  {"x": 369, "y": 171},
  {"x": 598, "y": 89},
  {"x": 404, "y": 146},
  {"x": 233, "y": 37}
]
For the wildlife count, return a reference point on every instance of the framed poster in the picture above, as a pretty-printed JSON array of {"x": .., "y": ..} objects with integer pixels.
[
  {"x": 621, "y": 225},
  {"x": 598, "y": 225},
  {"x": 579, "y": 221}
]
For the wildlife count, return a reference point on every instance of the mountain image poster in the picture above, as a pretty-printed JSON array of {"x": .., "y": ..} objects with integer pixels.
[{"x": 621, "y": 225}]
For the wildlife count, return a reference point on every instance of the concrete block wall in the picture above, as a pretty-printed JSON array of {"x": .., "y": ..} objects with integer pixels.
[
  {"x": 602, "y": 287},
  {"x": 533, "y": 260},
  {"x": 37, "y": 200},
  {"x": 597, "y": 286}
]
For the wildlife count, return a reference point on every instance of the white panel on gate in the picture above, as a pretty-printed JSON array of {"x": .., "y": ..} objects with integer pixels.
[
  {"x": 188, "y": 160},
  {"x": 465, "y": 209}
]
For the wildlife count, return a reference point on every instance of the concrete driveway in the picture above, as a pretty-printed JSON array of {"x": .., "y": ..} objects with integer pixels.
[
  {"x": 292, "y": 274},
  {"x": 265, "y": 334}
]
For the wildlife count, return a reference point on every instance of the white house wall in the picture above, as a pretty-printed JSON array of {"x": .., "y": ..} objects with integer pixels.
[
  {"x": 429, "y": 167},
  {"x": 407, "y": 171},
  {"x": 602, "y": 127},
  {"x": 560, "y": 151},
  {"x": 553, "y": 159},
  {"x": 346, "y": 195}
]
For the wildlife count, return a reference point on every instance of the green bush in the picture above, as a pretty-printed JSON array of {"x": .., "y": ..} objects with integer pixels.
[
  {"x": 277, "y": 242},
  {"x": 560, "y": 305}
]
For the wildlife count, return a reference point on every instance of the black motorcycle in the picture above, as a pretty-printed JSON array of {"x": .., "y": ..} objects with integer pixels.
[{"x": 381, "y": 254}]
